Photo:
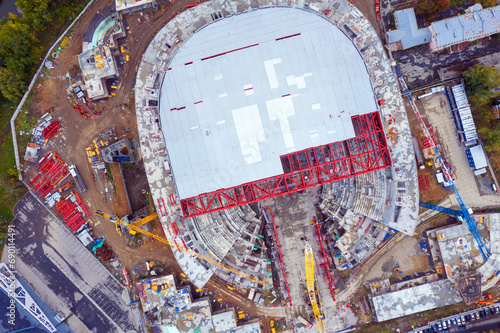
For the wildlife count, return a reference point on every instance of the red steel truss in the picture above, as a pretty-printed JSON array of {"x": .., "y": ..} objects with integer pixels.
[{"x": 308, "y": 168}]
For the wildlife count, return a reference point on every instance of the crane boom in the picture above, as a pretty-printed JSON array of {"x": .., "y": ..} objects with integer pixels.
[
  {"x": 189, "y": 251},
  {"x": 143, "y": 221},
  {"x": 444, "y": 168},
  {"x": 309, "y": 260}
]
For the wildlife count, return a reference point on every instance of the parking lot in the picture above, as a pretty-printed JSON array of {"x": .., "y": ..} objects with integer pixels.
[
  {"x": 464, "y": 322},
  {"x": 84, "y": 289}
]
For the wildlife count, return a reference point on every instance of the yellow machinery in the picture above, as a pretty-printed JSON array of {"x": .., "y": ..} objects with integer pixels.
[
  {"x": 310, "y": 287},
  {"x": 141, "y": 222},
  {"x": 173, "y": 244}
]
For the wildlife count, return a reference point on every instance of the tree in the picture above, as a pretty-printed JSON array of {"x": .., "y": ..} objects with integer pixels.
[
  {"x": 12, "y": 84},
  {"x": 36, "y": 12},
  {"x": 19, "y": 45},
  {"x": 491, "y": 137},
  {"x": 480, "y": 80}
]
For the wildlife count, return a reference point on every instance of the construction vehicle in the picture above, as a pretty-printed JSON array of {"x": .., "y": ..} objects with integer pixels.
[
  {"x": 304, "y": 321},
  {"x": 65, "y": 187},
  {"x": 174, "y": 244},
  {"x": 466, "y": 212},
  {"x": 78, "y": 179},
  {"x": 309, "y": 261},
  {"x": 139, "y": 223}
]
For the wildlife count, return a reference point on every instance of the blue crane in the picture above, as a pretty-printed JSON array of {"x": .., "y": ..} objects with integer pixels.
[
  {"x": 466, "y": 212},
  {"x": 449, "y": 211}
]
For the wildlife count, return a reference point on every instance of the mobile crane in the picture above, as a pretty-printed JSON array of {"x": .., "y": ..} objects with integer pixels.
[
  {"x": 114, "y": 219},
  {"x": 466, "y": 212},
  {"x": 309, "y": 260}
]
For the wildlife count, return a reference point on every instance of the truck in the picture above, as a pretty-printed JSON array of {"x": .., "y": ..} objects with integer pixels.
[
  {"x": 418, "y": 155},
  {"x": 304, "y": 321},
  {"x": 78, "y": 179},
  {"x": 251, "y": 294}
]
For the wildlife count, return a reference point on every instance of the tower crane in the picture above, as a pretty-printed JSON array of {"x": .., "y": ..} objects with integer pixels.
[
  {"x": 309, "y": 259},
  {"x": 114, "y": 219},
  {"x": 466, "y": 212}
]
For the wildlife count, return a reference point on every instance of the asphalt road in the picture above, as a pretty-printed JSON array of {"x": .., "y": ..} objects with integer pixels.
[{"x": 58, "y": 259}]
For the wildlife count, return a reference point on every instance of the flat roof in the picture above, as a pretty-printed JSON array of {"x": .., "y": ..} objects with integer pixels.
[
  {"x": 245, "y": 90},
  {"x": 478, "y": 156},
  {"x": 416, "y": 299}
]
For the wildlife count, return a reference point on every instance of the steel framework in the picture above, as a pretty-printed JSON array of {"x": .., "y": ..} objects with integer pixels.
[
  {"x": 14, "y": 289},
  {"x": 366, "y": 152}
]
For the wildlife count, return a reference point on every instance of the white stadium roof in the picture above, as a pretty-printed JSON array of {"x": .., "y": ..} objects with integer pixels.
[{"x": 238, "y": 96}]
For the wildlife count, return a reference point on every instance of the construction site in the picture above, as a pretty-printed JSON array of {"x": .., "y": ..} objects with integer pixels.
[{"x": 253, "y": 184}]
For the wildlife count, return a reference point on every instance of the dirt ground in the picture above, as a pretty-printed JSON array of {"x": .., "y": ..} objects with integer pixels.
[
  {"x": 77, "y": 132},
  {"x": 136, "y": 181}
]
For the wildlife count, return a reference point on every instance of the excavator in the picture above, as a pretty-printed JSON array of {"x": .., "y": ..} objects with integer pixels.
[
  {"x": 136, "y": 228},
  {"x": 309, "y": 260}
]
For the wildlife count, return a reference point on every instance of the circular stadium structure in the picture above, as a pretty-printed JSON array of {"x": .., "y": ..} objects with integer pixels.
[
  {"x": 236, "y": 106},
  {"x": 244, "y": 92}
]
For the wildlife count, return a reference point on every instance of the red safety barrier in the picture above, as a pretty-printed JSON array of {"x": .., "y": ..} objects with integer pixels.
[{"x": 281, "y": 258}]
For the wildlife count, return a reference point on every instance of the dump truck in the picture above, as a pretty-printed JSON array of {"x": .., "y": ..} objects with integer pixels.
[{"x": 78, "y": 179}]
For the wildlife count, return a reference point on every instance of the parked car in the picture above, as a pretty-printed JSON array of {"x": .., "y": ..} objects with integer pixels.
[
  {"x": 486, "y": 312},
  {"x": 459, "y": 321},
  {"x": 461, "y": 328},
  {"x": 453, "y": 321},
  {"x": 492, "y": 310},
  {"x": 445, "y": 331},
  {"x": 440, "y": 327},
  {"x": 449, "y": 322},
  {"x": 462, "y": 318},
  {"x": 468, "y": 317}
]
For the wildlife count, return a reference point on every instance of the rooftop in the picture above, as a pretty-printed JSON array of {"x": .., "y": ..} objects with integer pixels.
[
  {"x": 417, "y": 299},
  {"x": 97, "y": 64},
  {"x": 231, "y": 109},
  {"x": 407, "y": 31},
  {"x": 470, "y": 26}
]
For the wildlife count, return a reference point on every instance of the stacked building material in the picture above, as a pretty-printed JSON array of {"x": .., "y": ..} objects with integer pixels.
[
  {"x": 72, "y": 211},
  {"x": 49, "y": 172},
  {"x": 46, "y": 129},
  {"x": 51, "y": 130},
  {"x": 82, "y": 111}
]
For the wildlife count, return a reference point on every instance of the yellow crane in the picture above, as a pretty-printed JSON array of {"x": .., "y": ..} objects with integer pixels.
[
  {"x": 143, "y": 221},
  {"x": 173, "y": 244},
  {"x": 309, "y": 258}
]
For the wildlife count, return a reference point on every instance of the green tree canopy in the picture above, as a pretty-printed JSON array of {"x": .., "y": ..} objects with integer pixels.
[
  {"x": 480, "y": 80},
  {"x": 19, "y": 45},
  {"x": 36, "y": 12},
  {"x": 12, "y": 84}
]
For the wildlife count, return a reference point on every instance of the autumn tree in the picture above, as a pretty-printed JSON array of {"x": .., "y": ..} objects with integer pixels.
[
  {"x": 36, "y": 12},
  {"x": 480, "y": 82}
]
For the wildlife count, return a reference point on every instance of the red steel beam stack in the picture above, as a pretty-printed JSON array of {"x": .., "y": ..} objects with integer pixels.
[
  {"x": 82, "y": 112},
  {"x": 50, "y": 131},
  {"x": 80, "y": 203}
]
